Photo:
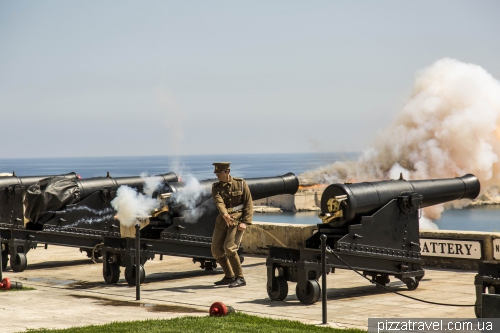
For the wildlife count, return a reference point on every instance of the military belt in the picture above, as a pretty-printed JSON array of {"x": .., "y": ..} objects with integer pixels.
[{"x": 235, "y": 209}]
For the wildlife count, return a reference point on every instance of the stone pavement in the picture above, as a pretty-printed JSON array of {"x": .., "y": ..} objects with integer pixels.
[{"x": 70, "y": 291}]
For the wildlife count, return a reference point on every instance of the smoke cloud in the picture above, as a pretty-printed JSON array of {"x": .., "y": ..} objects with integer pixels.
[
  {"x": 151, "y": 184},
  {"x": 129, "y": 205},
  {"x": 191, "y": 198},
  {"x": 449, "y": 127}
]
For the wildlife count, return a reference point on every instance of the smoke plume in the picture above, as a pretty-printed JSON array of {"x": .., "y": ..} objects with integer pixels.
[
  {"x": 449, "y": 127},
  {"x": 151, "y": 184},
  {"x": 191, "y": 198},
  {"x": 129, "y": 205}
]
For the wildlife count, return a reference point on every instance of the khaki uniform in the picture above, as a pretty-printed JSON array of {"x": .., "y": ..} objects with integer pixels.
[{"x": 226, "y": 239}]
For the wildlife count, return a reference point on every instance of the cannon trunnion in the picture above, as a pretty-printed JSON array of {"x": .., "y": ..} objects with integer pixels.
[{"x": 372, "y": 227}]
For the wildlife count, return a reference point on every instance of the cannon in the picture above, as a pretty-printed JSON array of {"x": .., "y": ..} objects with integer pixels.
[
  {"x": 180, "y": 229},
  {"x": 12, "y": 193},
  {"x": 68, "y": 203},
  {"x": 370, "y": 227},
  {"x": 79, "y": 214},
  {"x": 81, "y": 203}
]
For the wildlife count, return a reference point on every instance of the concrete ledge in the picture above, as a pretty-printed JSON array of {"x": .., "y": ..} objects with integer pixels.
[{"x": 260, "y": 235}]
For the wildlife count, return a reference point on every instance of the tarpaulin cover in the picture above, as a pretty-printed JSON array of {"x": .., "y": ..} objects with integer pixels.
[{"x": 49, "y": 195}]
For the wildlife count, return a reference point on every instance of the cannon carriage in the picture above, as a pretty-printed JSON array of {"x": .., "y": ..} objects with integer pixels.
[
  {"x": 57, "y": 210},
  {"x": 12, "y": 193},
  {"x": 179, "y": 230},
  {"x": 78, "y": 213},
  {"x": 370, "y": 227}
]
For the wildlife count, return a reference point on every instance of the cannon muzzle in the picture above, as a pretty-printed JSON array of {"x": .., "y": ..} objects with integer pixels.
[
  {"x": 270, "y": 186},
  {"x": 344, "y": 204}
]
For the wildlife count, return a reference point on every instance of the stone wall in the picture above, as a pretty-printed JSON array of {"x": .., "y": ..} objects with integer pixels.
[
  {"x": 303, "y": 200},
  {"x": 260, "y": 235}
]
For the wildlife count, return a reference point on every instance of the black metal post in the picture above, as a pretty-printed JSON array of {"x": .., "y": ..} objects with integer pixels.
[
  {"x": 1, "y": 255},
  {"x": 137, "y": 262},
  {"x": 323, "y": 277}
]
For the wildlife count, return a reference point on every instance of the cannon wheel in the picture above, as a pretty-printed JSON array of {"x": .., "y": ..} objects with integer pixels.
[
  {"x": 478, "y": 309},
  {"x": 130, "y": 274},
  {"x": 112, "y": 274},
  {"x": 5, "y": 259},
  {"x": 411, "y": 283},
  {"x": 19, "y": 262},
  {"x": 311, "y": 294},
  {"x": 281, "y": 291}
]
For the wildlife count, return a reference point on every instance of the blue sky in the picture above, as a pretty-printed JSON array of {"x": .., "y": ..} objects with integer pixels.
[{"x": 126, "y": 78}]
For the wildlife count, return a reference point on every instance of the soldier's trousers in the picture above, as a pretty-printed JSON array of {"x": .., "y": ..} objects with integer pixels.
[{"x": 225, "y": 243}]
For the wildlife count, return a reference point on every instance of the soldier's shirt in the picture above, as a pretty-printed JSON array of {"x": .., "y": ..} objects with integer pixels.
[{"x": 231, "y": 194}]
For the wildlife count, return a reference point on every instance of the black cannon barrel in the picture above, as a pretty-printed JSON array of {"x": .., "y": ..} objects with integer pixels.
[
  {"x": 367, "y": 197},
  {"x": 262, "y": 187},
  {"x": 269, "y": 186},
  {"x": 24, "y": 182},
  {"x": 91, "y": 185}
]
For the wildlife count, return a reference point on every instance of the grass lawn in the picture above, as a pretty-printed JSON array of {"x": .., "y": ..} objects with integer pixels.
[
  {"x": 238, "y": 322},
  {"x": 24, "y": 288}
]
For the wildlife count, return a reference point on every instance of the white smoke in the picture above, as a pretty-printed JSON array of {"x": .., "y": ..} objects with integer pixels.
[
  {"x": 449, "y": 127},
  {"x": 190, "y": 193},
  {"x": 427, "y": 224},
  {"x": 129, "y": 205},
  {"x": 174, "y": 119},
  {"x": 151, "y": 184},
  {"x": 189, "y": 197}
]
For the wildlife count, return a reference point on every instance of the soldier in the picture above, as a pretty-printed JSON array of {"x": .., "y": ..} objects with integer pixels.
[{"x": 234, "y": 202}]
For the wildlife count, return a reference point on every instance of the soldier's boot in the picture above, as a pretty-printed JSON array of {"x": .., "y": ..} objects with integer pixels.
[
  {"x": 238, "y": 272},
  {"x": 239, "y": 282},
  {"x": 228, "y": 272}
]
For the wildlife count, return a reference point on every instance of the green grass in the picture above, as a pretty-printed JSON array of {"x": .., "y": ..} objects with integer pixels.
[
  {"x": 24, "y": 288},
  {"x": 238, "y": 322}
]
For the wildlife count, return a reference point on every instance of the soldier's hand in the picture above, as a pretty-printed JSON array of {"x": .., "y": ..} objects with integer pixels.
[
  {"x": 229, "y": 220},
  {"x": 242, "y": 226}
]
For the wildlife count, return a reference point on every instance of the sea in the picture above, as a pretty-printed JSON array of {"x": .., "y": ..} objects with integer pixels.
[{"x": 472, "y": 218}]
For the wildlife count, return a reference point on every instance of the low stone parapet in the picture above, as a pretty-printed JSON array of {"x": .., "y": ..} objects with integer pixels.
[
  {"x": 459, "y": 249},
  {"x": 260, "y": 235},
  {"x": 439, "y": 248}
]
